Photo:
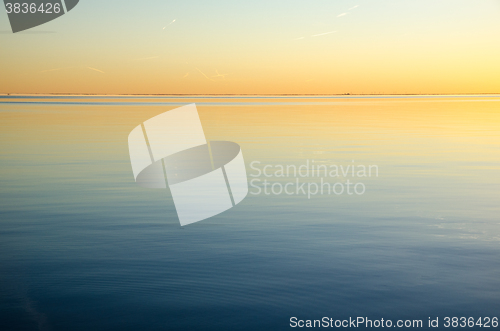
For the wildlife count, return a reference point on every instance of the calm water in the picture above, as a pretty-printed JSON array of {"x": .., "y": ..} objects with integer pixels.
[{"x": 82, "y": 247}]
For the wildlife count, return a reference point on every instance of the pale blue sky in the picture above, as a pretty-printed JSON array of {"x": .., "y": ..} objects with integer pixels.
[{"x": 286, "y": 43}]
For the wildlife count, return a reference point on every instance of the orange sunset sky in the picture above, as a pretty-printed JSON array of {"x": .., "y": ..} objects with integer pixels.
[{"x": 258, "y": 47}]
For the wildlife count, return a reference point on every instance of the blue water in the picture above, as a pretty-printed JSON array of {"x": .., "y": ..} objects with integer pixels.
[{"x": 82, "y": 247}]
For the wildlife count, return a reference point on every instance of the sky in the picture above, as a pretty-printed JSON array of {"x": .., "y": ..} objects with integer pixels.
[{"x": 258, "y": 47}]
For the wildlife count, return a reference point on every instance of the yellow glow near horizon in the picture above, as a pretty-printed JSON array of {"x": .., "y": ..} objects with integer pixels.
[{"x": 357, "y": 47}]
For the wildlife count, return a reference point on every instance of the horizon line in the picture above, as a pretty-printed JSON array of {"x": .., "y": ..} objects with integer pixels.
[{"x": 242, "y": 94}]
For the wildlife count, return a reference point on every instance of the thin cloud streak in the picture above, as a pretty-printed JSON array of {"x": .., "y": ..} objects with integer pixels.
[
  {"x": 102, "y": 72},
  {"x": 168, "y": 24},
  {"x": 220, "y": 75},
  {"x": 201, "y": 72},
  {"x": 343, "y": 14},
  {"x": 354, "y": 7}
]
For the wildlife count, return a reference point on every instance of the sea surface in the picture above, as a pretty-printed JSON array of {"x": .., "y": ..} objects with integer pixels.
[{"x": 82, "y": 247}]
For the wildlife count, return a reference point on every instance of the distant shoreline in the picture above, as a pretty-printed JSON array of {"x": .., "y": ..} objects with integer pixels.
[{"x": 228, "y": 95}]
